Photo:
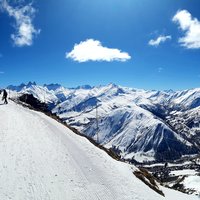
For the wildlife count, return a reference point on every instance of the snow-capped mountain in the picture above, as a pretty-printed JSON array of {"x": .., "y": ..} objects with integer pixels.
[
  {"x": 187, "y": 99},
  {"x": 21, "y": 86},
  {"x": 52, "y": 86},
  {"x": 138, "y": 124}
]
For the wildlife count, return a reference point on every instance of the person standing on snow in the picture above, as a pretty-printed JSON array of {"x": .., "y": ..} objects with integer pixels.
[{"x": 5, "y": 95}]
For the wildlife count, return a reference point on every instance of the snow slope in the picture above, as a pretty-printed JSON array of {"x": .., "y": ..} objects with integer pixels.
[
  {"x": 43, "y": 160},
  {"x": 187, "y": 99}
]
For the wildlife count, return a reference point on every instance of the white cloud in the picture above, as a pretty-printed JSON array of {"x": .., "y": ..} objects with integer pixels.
[
  {"x": 161, "y": 39},
  {"x": 191, "y": 28},
  {"x": 92, "y": 50},
  {"x": 25, "y": 31}
]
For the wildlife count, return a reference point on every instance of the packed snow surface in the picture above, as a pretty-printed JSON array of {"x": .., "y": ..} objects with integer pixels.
[
  {"x": 192, "y": 182},
  {"x": 184, "y": 172},
  {"x": 43, "y": 160}
]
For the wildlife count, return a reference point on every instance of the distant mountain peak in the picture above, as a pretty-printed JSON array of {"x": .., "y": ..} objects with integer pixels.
[
  {"x": 113, "y": 85},
  {"x": 21, "y": 86},
  {"x": 30, "y": 83},
  {"x": 52, "y": 86},
  {"x": 85, "y": 87},
  {"x": 169, "y": 91}
]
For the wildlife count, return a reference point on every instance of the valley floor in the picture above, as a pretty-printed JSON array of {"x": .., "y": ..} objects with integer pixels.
[{"x": 41, "y": 159}]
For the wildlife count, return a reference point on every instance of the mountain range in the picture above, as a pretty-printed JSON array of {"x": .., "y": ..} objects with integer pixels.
[{"x": 139, "y": 125}]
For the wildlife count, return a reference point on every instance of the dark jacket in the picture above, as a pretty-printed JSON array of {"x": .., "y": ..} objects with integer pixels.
[{"x": 5, "y": 94}]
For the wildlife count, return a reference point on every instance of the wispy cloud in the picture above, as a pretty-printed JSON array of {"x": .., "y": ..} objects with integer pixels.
[
  {"x": 2, "y": 72},
  {"x": 160, "y": 69},
  {"x": 92, "y": 50},
  {"x": 25, "y": 30},
  {"x": 191, "y": 28},
  {"x": 161, "y": 39}
]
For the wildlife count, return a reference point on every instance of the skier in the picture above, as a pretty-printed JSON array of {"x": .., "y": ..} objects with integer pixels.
[{"x": 5, "y": 94}]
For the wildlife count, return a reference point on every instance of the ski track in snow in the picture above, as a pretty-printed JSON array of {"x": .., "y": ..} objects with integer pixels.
[{"x": 41, "y": 159}]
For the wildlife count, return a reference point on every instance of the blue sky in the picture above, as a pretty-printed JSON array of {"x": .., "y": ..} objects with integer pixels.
[{"x": 135, "y": 43}]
